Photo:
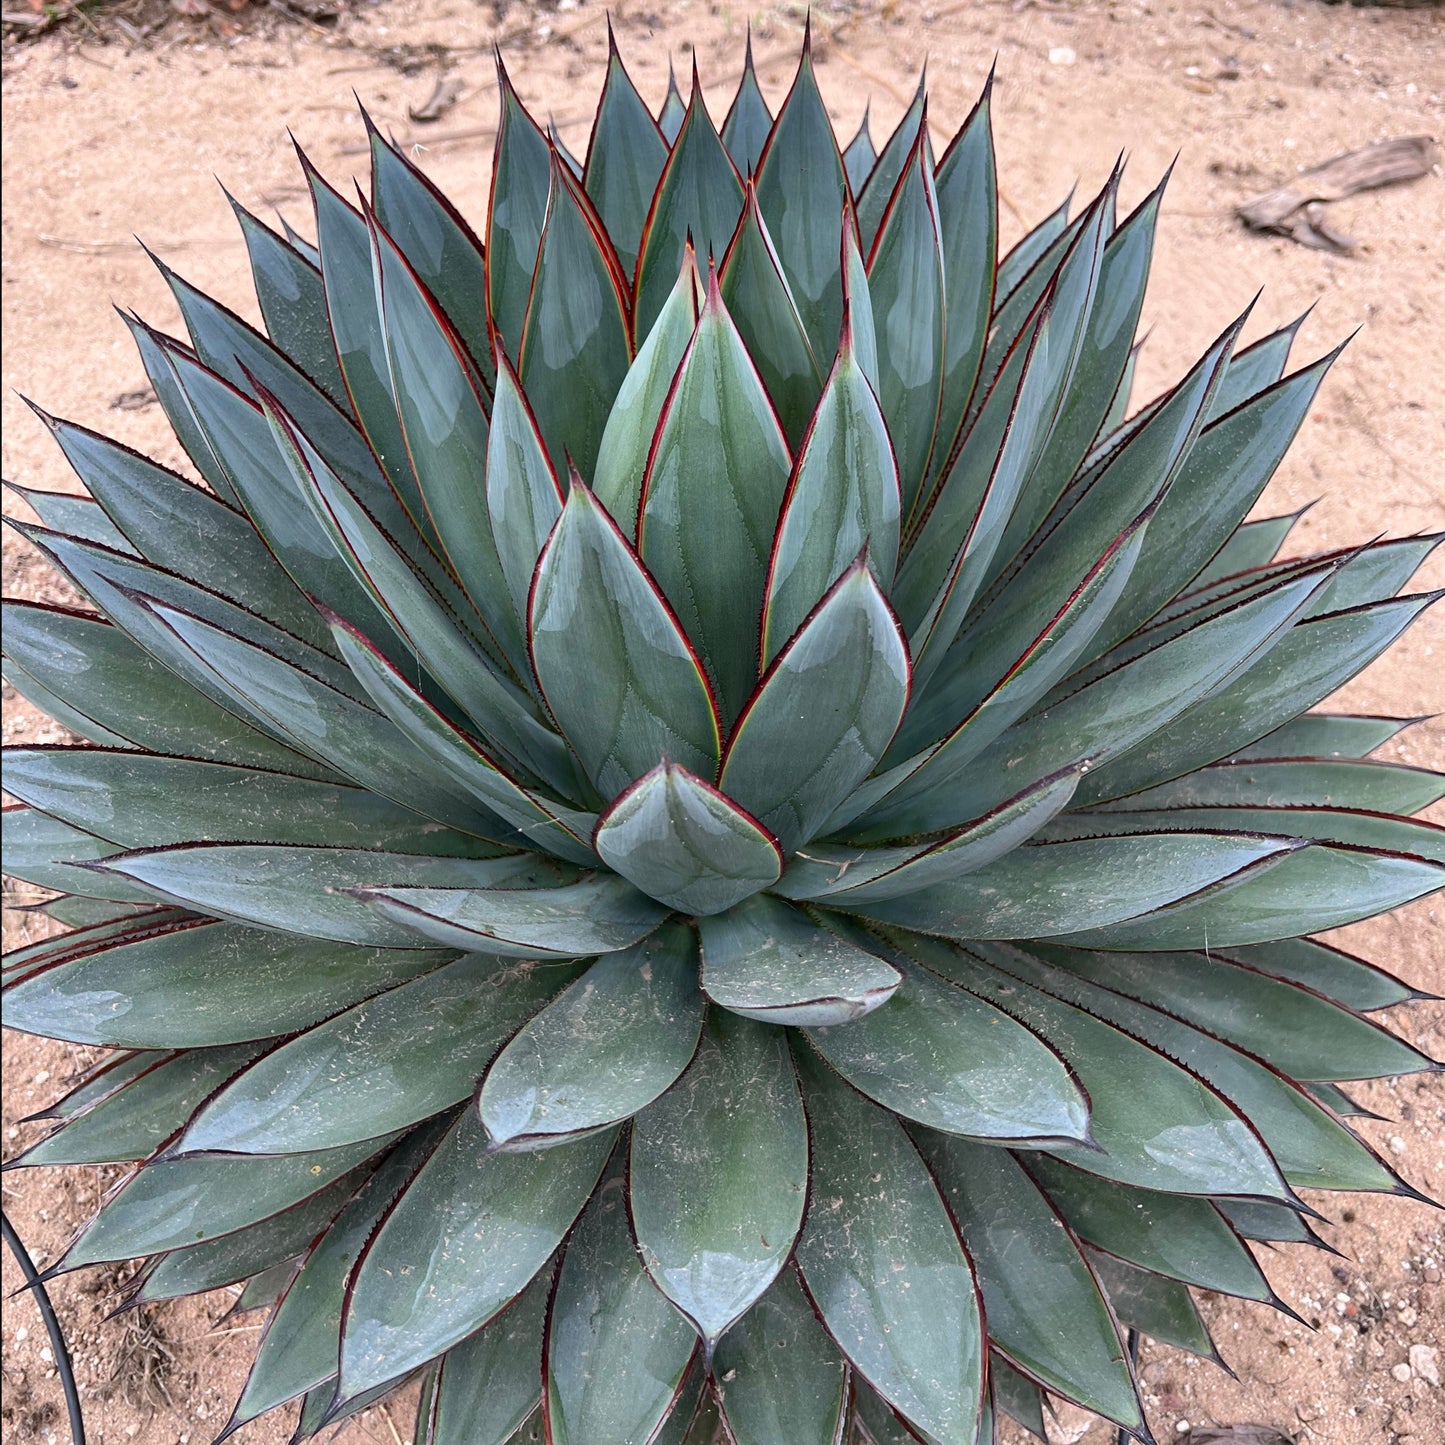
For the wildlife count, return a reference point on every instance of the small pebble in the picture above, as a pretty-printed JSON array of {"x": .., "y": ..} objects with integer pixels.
[
  {"x": 1407, "y": 1316},
  {"x": 1432, "y": 1274},
  {"x": 1402, "y": 1374},
  {"x": 1182, "y": 1427},
  {"x": 46, "y": 1355},
  {"x": 1425, "y": 1364},
  {"x": 1397, "y": 1144},
  {"x": 1062, "y": 55}
]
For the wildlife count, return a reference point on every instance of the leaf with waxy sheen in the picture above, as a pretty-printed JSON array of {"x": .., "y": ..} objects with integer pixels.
[
  {"x": 747, "y": 126},
  {"x": 201, "y": 982},
  {"x": 521, "y": 182},
  {"x": 139, "y": 1116},
  {"x": 1033, "y": 1279},
  {"x": 684, "y": 843},
  {"x": 758, "y": 297},
  {"x": 699, "y": 196},
  {"x": 1042, "y": 889},
  {"x": 710, "y": 501},
  {"x": 614, "y": 665},
  {"x": 1322, "y": 1042},
  {"x": 307, "y": 890},
  {"x": 617, "y": 1352},
  {"x": 179, "y": 1202},
  {"x": 859, "y": 155},
  {"x": 769, "y": 961},
  {"x": 801, "y": 188},
  {"x": 905, "y": 282},
  {"x": 600, "y": 914},
  {"x": 625, "y": 157},
  {"x": 1171, "y": 1234},
  {"x": 466, "y": 1237},
  {"x": 1251, "y": 544},
  {"x": 300, "y": 1348},
  {"x": 42, "y": 850},
  {"x": 488, "y": 1386},
  {"x": 1015, "y": 1395},
  {"x": 75, "y": 516},
  {"x": 382, "y": 1064},
  {"x": 617, "y": 1037},
  {"x": 575, "y": 345},
  {"x": 627, "y": 440},
  {"x": 842, "y": 497},
  {"x": 1350, "y": 981},
  {"x": 824, "y": 713},
  {"x": 441, "y": 402},
  {"x": 719, "y": 1175},
  {"x": 1154, "y": 1123},
  {"x": 1158, "y": 1307},
  {"x": 882, "y": 1263},
  {"x": 783, "y": 1378},
  {"x": 944, "y": 1057},
  {"x": 670, "y": 118},
  {"x": 874, "y": 195},
  {"x": 439, "y": 245}
]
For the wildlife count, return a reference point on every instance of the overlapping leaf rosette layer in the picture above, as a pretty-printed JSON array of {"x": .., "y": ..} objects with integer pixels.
[{"x": 693, "y": 831}]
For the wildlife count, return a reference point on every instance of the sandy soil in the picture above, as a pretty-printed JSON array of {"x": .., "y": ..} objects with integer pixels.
[{"x": 101, "y": 143}]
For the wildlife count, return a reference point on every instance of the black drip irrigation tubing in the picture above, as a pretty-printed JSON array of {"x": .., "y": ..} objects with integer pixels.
[
  {"x": 64, "y": 1368},
  {"x": 1125, "y": 1437}
]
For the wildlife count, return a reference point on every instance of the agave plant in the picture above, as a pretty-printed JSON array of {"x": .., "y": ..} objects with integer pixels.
[{"x": 693, "y": 832}]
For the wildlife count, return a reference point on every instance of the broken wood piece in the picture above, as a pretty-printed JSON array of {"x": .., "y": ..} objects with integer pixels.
[
  {"x": 1296, "y": 209},
  {"x": 444, "y": 96}
]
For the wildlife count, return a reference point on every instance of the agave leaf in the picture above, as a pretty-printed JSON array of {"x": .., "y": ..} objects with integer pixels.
[
  {"x": 237, "y": 429},
  {"x": 943, "y": 1057},
  {"x": 1313, "y": 1149},
  {"x": 614, "y": 665},
  {"x": 575, "y": 343},
  {"x": 76, "y": 516},
  {"x": 783, "y": 1379},
  {"x": 307, "y": 890},
  {"x": 1263, "y": 1220},
  {"x": 759, "y": 298},
  {"x": 685, "y": 844},
  {"x": 905, "y": 282},
  {"x": 382, "y": 1064},
  {"x": 1256, "y": 368},
  {"x": 468, "y": 1234},
  {"x": 1141, "y": 1101},
  {"x": 172, "y": 1203},
  {"x": 51, "y": 854},
  {"x": 618, "y": 1036},
  {"x": 1160, "y": 1308},
  {"x": 521, "y": 178},
  {"x": 140, "y": 1114},
  {"x": 700, "y": 197},
  {"x": 438, "y": 244},
  {"x": 1251, "y": 544},
  {"x": 605, "y": 1313},
  {"x": 1027, "y": 252},
  {"x": 197, "y": 982},
  {"x": 153, "y": 347},
  {"x": 890, "y": 164},
  {"x": 1222, "y": 477},
  {"x": 262, "y": 1290},
  {"x": 1046, "y": 889},
  {"x": 300, "y": 1348},
  {"x": 601, "y": 914},
  {"x": 1375, "y": 572},
  {"x": 178, "y": 527},
  {"x": 323, "y": 719},
  {"x": 967, "y": 188},
  {"x": 293, "y": 302},
  {"x": 100, "y": 1081},
  {"x": 710, "y": 500},
  {"x": 870, "y": 875},
  {"x": 142, "y": 800},
  {"x": 875, "y": 1422},
  {"x": 1017, "y": 1396},
  {"x": 81, "y": 912},
  {"x": 824, "y": 713},
  {"x": 541, "y": 820},
  {"x": 1172, "y": 1234},
  {"x": 235, "y": 1257},
  {"x": 768, "y": 961},
  {"x": 1032, "y": 1275},
  {"x": 883, "y": 1265},
  {"x": 859, "y": 155},
  {"x": 747, "y": 126},
  {"x": 1308, "y": 777},
  {"x": 801, "y": 189},
  {"x": 1123, "y": 394},
  {"x": 441, "y": 404},
  {"x": 842, "y": 497},
  {"x": 1350, "y": 981},
  {"x": 625, "y": 157},
  {"x": 858, "y": 302},
  {"x": 360, "y": 333},
  {"x": 693, "y": 1419},
  {"x": 674, "y": 110},
  {"x": 718, "y": 1176},
  {"x": 1305, "y": 666},
  {"x": 101, "y": 680},
  {"x": 1318, "y": 887}
]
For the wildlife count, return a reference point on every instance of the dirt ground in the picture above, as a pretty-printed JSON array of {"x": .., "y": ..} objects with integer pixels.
[{"x": 102, "y": 141}]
